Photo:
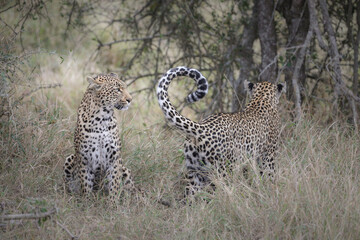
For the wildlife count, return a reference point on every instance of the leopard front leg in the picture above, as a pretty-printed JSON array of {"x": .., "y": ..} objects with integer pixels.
[
  {"x": 86, "y": 175},
  {"x": 119, "y": 177},
  {"x": 68, "y": 174}
]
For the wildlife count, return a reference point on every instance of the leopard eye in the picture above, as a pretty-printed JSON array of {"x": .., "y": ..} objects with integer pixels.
[{"x": 119, "y": 89}]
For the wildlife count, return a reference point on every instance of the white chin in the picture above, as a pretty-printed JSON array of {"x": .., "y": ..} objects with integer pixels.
[{"x": 122, "y": 107}]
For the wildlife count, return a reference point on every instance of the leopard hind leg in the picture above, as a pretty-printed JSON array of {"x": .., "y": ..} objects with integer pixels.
[{"x": 197, "y": 170}]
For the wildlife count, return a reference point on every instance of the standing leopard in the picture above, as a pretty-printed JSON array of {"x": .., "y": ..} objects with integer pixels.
[
  {"x": 97, "y": 143},
  {"x": 222, "y": 139}
]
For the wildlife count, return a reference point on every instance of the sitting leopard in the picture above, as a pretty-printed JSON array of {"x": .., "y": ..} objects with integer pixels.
[
  {"x": 221, "y": 139},
  {"x": 97, "y": 142}
]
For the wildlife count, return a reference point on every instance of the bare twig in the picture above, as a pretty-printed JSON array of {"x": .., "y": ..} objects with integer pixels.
[
  {"x": 23, "y": 25},
  {"x": 28, "y": 215},
  {"x": 8, "y": 26},
  {"x": 66, "y": 230},
  {"x": 142, "y": 90},
  {"x": 136, "y": 55},
  {"x": 9, "y": 7},
  {"x": 134, "y": 79},
  {"x": 70, "y": 16},
  {"x": 25, "y": 94},
  {"x": 131, "y": 40}
]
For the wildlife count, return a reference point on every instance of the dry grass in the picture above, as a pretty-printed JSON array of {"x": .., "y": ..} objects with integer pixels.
[{"x": 316, "y": 195}]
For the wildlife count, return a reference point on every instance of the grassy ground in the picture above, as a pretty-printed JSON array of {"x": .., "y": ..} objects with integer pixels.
[{"x": 316, "y": 195}]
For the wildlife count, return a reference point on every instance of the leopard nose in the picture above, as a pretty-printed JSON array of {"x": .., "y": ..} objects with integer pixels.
[{"x": 128, "y": 100}]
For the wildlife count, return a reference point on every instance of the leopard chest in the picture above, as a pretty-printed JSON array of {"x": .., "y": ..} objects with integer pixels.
[{"x": 99, "y": 143}]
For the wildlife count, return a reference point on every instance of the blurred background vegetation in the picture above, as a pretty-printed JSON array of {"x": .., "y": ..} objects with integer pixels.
[
  {"x": 315, "y": 52},
  {"x": 48, "y": 47}
]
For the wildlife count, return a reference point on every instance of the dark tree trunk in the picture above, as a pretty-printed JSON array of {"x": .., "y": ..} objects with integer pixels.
[
  {"x": 340, "y": 87},
  {"x": 245, "y": 57},
  {"x": 355, "y": 87},
  {"x": 267, "y": 35},
  {"x": 296, "y": 14}
]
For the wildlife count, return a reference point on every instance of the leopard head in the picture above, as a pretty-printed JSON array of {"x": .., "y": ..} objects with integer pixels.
[
  {"x": 110, "y": 91},
  {"x": 265, "y": 91}
]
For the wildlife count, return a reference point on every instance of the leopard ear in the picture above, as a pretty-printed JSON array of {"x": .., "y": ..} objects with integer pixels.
[
  {"x": 121, "y": 77},
  {"x": 114, "y": 75},
  {"x": 281, "y": 88},
  {"x": 93, "y": 83},
  {"x": 248, "y": 86}
]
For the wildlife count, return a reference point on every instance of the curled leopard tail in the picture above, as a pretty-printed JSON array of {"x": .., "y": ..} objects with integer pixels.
[{"x": 186, "y": 125}]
